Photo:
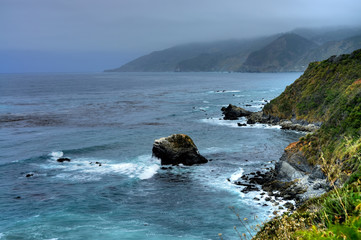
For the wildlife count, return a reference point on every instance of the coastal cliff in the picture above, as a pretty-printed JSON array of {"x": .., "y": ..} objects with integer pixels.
[{"x": 328, "y": 94}]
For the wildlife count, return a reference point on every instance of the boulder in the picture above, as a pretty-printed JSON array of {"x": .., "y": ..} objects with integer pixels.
[
  {"x": 177, "y": 149},
  {"x": 63, "y": 159},
  {"x": 233, "y": 112}
]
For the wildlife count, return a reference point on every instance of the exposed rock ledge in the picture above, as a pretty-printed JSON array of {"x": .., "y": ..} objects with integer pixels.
[
  {"x": 293, "y": 124},
  {"x": 292, "y": 179},
  {"x": 177, "y": 149},
  {"x": 293, "y": 166}
]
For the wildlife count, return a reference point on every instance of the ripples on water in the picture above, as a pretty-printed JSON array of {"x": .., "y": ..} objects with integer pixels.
[{"x": 113, "y": 188}]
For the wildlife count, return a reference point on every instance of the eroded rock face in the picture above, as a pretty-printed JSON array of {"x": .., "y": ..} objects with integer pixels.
[
  {"x": 177, "y": 149},
  {"x": 293, "y": 166},
  {"x": 233, "y": 112},
  {"x": 292, "y": 179}
]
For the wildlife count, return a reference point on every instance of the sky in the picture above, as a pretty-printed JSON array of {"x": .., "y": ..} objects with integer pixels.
[{"x": 93, "y": 35}]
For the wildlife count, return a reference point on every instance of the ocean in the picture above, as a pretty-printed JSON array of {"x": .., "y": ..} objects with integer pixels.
[{"x": 113, "y": 188}]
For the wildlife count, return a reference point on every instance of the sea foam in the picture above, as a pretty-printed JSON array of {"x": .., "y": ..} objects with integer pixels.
[
  {"x": 93, "y": 169},
  {"x": 234, "y": 123},
  {"x": 56, "y": 155},
  {"x": 235, "y": 176}
]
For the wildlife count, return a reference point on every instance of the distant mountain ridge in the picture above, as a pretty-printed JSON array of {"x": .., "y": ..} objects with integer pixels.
[
  {"x": 287, "y": 52},
  {"x": 281, "y": 55}
]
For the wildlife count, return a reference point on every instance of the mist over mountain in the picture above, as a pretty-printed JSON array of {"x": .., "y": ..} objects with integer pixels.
[
  {"x": 284, "y": 52},
  {"x": 281, "y": 55}
]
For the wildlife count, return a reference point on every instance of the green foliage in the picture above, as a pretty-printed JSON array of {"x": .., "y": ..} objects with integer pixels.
[
  {"x": 335, "y": 204},
  {"x": 330, "y": 92},
  {"x": 350, "y": 231}
]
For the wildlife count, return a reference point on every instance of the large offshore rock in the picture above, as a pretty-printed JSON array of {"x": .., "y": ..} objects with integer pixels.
[
  {"x": 177, "y": 149},
  {"x": 233, "y": 112}
]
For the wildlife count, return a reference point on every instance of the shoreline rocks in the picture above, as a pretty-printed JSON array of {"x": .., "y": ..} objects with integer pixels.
[
  {"x": 293, "y": 124},
  {"x": 233, "y": 112},
  {"x": 293, "y": 178},
  {"x": 177, "y": 149}
]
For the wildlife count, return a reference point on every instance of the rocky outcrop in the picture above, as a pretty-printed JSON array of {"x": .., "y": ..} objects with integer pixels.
[
  {"x": 303, "y": 126},
  {"x": 63, "y": 159},
  {"x": 233, "y": 112},
  {"x": 293, "y": 166},
  {"x": 177, "y": 149},
  {"x": 293, "y": 178},
  {"x": 293, "y": 124}
]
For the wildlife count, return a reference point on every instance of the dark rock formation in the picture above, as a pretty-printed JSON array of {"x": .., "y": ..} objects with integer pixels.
[
  {"x": 293, "y": 124},
  {"x": 233, "y": 112},
  {"x": 63, "y": 159},
  {"x": 294, "y": 167},
  {"x": 177, "y": 149},
  {"x": 292, "y": 179}
]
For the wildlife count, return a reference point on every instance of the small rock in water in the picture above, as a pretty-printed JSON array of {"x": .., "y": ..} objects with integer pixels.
[
  {"x": 241, "y": 124},
  {"x": 63, "y": 159},
  {"x": 29, "y": 175},
  {"x": 289, "y": 206}
]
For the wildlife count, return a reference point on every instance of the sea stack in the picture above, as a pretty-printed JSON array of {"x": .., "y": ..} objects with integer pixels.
[
  {"x": 233, "y": 112},
  {"x": 177, "y": 149}
]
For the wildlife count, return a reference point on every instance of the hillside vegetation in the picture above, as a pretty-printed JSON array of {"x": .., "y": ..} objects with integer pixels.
[{"x": 328, "y": 92}]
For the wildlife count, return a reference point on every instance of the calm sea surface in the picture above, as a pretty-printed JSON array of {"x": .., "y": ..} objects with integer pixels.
[{"x": 113, "y": 119}]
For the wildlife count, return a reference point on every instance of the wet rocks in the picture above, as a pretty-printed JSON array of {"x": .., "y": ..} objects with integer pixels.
[
  {"x": 233, "y": 112},
  {"x": 177, "y": 149},
  {"x": 255, "y": 117},
  {"x": 63, "y": 159},
  {"x": 305, "y": 127},
  {"x": 292, "y": 179}
]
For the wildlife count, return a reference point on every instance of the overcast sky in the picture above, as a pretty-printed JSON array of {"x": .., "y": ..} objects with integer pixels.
[{"x": 93, "y": 35}]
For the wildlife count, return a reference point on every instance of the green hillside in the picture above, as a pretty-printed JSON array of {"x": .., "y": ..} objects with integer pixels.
[{"x": 330, "y": 92}]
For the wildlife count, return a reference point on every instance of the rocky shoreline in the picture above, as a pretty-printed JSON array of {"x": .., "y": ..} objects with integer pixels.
[
  {"x": 292, "y": 179},
  {"x": 232, "y": 112}
]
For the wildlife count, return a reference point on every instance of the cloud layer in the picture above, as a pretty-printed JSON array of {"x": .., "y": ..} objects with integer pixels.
[{"x": 146, "y": 25}]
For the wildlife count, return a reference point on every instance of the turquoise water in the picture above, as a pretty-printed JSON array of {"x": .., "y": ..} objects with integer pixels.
[{"x": 113, "y": 118}]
